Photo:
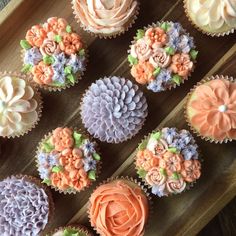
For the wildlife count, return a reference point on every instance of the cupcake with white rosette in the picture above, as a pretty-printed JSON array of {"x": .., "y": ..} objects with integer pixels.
[{"x": 168, "y": 161}]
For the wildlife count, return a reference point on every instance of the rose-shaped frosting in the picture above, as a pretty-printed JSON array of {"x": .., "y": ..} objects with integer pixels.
[
  {"x": 141, "y": 50},
  {"x": 105, "y": 16},
  {"x": 118, "y": 208},
  {"x": 213, "y": 109},
  {"x": 24, "y": 207},
  {"x": 49, "y": 47},
  {"x": 175, "y": 185},
  {"x": 113, "y": 109},
  {"x": 160, "y": 58},
  {"x": 157, "y": 147},
  {"x": 155, "y": 177},
  {"x": 17, "y": 106},
  {"x": 215, "y": 14},
  {"x": 36, "y": 35}
]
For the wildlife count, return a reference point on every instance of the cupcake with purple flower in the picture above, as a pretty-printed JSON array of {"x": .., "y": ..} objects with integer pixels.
[
  {"x": 54, "y": 54},
  {"x": 168, "y": 161},
  {"x": 162, "y": 56},
  {"x": 67, "y": 160}
]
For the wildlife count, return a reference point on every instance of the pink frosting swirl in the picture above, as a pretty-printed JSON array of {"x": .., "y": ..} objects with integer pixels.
[
  {"x": 49, "y": 47},
  {"x": 175, "y": 185},
  {"x": 141, "y": 50},
  {"x": 155, "y": 177},
  {"x": 160, "y": 58}
]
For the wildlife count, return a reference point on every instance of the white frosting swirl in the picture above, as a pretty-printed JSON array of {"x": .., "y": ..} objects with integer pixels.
[
  {"x": 215, "y": 14},
  {"x": 105, "y": 16},
  {"x": 17, "y": 106}
]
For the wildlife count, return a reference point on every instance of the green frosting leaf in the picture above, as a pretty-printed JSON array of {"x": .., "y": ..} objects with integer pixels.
[
  {"x": 71, "y": 78},
  {"x": 142, "y": 145},
  {"x": 92, "y": 174},
  {"x": 26, "y": 68},
  {"x": 58, "y": 38},
  {"x": 170, "y": 50},
  {"x": 156, "y": 71},
  {"x": 25, "y": 44},
  {"x": 48, "y": 60},
  {"x": 46, "y": 181},
  {"x": 165, "y": 26},
  {"x": 132, "y": 60},
  {"x": 156, "y": 135},
  {"x": 175, "y": 175},
  {"x": 47, "y": 146},
  {"x": 173, "y": 150},
  {"x": 82, "y": 52},
  {"x": 193, "y": 54},
  {"x": 163, "y": 171},
  {"x": 78, "y": 139},
  {"x": 142, "y": 173},
  {"x": 96, "y": 156},
  {"x": 68, "y": 29},
  {"x": 68, "y": 70},
  {"x": 140, "y": 34},
  {"x": 70, "y": 232},
  {"x": 177, "y": 79},
  {"x": 57, "y": 169}
]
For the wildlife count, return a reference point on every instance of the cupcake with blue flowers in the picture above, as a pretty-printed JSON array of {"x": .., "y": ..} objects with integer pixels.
[
  {"x": 168, "y": 161},
  {"x": 162, "y": 56},
  {"x": 67, "y": 160},
  {"x": 54, "y": 54}
]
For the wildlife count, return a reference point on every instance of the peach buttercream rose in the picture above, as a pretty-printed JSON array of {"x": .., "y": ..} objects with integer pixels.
[
  {"x": 160, "y": 58},
  {"x": 146, "y": 160},
  {"x": 156, "y": 37},
  {"x": 155, "y": 177},
  {"x": 36, "y": 35},
  {"x": 175, "y": 185},
  {"x": 141, "y": 50},
  {"x": 118, "y": 208},
  {"x": 49, "y": 47}
]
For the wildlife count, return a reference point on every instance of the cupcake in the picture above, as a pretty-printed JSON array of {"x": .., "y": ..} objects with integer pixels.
[
  {"x": 54, "y": 54},
  {"x": 71, "y": 230},
  {"x": 20, "y": 105},
  {"x": 212, "y": 17},
  {"x": 168, "y": 161},
  {"x": 119, "y": 207},
  {"x": 211, "y": 109},
  {"x": 105, "y": 18},
  {"x": 113, "y": 109},
  {"x": 26, "y": 206},
  {"x": 67, "y": 160},
  {"x": 162, "y": 56}
]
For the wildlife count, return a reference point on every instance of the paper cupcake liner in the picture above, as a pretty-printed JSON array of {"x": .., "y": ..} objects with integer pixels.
[
  {"x": 37, "y": 182},
  {"x": 212, "y": 34},
  {"x": 105, "y": 36},
  {"x": 143, "y": 187},
  {"x": 80, "y": 109},
  {"x": 211, "y": 140},
  {"x": 174, "y": 85},
  {"x": 78, "y": 75},
  {"x": 37, "y": 97},
  {"x": 188, "y": 185},
  {"x": 72, "y": 191}
]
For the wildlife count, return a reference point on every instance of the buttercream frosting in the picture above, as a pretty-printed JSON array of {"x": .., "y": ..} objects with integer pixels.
[
  {"x": 212, "y": 109},
  {"x": 18, "y": 106},
  {"x": 105, "y": 16},
  {"x": 118, "y": 208},
  {"x": 24, "y": 207},
  {"x": 217, "y": 15}
]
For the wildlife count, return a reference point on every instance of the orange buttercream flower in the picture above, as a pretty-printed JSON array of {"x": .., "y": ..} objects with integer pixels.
[
  {"x": 146, "y": 160},
  {"x": 36, "y": 35},
  {"x": 42, "y": 73},
  {"x": 142, "y": 72},
  {"x": 191, "y": 170},
  {"x": 71, "y": 43},
  {"x": 181, "y": 64},
  {"x": 156, "y": 37},
  {"x": 55, "y": 25},
  {"x": 60, "y": 180},
  {"x": 78, "y": 179},
  {"x": 62, "y": 138}
]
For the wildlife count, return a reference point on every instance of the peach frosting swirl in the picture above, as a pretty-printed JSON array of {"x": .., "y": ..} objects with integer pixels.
[
  {"x": 214, "y": 109},
  {"x": 105, "y": 16},
  {"x": 118, "y": 208}
]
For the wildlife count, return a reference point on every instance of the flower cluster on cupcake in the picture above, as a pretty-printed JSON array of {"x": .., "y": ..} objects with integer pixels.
[
  {"x": 53, "y": 53},
  {"x": 67, "y": 160},
  {"x": 168, "y": 161},
  {"x": 162, "y": 56}
]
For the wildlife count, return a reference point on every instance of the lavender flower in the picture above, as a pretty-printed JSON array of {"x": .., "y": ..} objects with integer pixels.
[
  {"x": 178, "y": 143},
  {"x": 164, "y": 76},
  {"x": 89, "y": 164},
  {"x": 32, "y": 56},
  {"x": 156, "y": 86},
  {"x": 169, "y": 134},
  {"x": 88, "y": 147},
  {"x": 60, "y": 59},
  {"x": 173, "y": 42},
  {"x": 175, "y": 30},
  {"x": 185, "y": 43},
  {"x": 53, "y": 159},
  {"x": 44, "y": 173},
  {"x": 42, "y": 158},
  {"x": 190, "y": 152},
  {"x": 159, "y": 190},
  {"x": 58, "y": 74},
  {"x": 186, "y": 136},
  {"x": 76, "y": 63}
]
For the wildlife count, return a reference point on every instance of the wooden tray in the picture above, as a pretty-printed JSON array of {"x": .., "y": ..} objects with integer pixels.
[{"x": 184, "y": 214}]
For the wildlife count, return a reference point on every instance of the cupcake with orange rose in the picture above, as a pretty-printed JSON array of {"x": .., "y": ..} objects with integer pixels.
[
  {"x": 168, "y": 161},
  {"x": 67, "y": 160},
  {"x": 119, "y": 207},
  {"x": 162, "y": 56},
  {"x": 211, "y": 109},
  {"x": 54, "y": 54}
]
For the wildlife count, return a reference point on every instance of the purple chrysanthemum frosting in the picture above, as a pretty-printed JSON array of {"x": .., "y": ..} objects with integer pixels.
[
  {"x": 24, "y": 207},
  {"x": 113, "y": 109}
]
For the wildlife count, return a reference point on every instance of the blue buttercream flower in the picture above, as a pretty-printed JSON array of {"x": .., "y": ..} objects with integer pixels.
[
  {"x": 60, "y": 59},
  {"x": 185, "y": 43},
  {"x": 159, "y": 190},
  {"x": 32, "y": 56},
  {"x": 175, "y": 30},
  {"x": 76, "y": 63},
  {"x": 190, "y": 152},
  {"x": 42, "y": 158},
  {"x": 156, "y": 86},
  {"x": 58, "y": 74},
  {"x": 44, "y": 173},
  {"x": 53, "y": 159},
  {"x": 89, "y": 164},
  {"x": 164, "y": 76},
  {"x": 173, "y": 42},
  {"x": 88, "y": 147},
  {"x": 178, "y": 143},
  {"x": 169, "y": 134},
  {"x": 186, "y": 136}
]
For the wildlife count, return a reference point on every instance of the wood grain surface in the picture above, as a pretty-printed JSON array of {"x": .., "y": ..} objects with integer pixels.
[{"x": 184, "y": 214}]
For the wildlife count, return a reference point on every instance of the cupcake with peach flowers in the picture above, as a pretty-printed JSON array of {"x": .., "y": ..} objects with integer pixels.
[
  {"x": 67, "y": 160},
  {"x": 168, "y": 161},
  {"x": 211, "y": 109},
  {"x": 119, "y": 206},
  {"x": 162, "y": 56},
  {"x": 53, "y": 54}
]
